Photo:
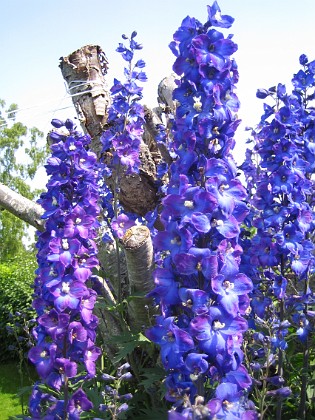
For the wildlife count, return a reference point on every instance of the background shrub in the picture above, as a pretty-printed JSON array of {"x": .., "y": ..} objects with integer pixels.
[{"x": 16, "y": 278}]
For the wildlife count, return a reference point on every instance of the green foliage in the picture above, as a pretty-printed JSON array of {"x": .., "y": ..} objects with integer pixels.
[
  {"x": 13, "y": 395},
  {"x": 22, "y": 151},
  {"x": 128, "y": 342},
  {"x": 16, "y": 278}
]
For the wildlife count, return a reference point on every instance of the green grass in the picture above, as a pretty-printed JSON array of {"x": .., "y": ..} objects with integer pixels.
[{"x": 10, "y": 403}]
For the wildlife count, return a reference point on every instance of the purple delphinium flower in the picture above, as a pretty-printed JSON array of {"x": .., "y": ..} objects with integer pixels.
[
  {"x": 122, "y": 139},
  {"x": 229, "y": 404},
  {"x": 202, "y": 295},
  {"x": 216, "y": 19},
  {"x": 77, "y": 404},
  {"x": 43, "y": 356},
  {"x": 66, "y": 254}
]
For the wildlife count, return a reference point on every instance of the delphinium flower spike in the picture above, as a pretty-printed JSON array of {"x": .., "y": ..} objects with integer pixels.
[
  {"x": 202, "y": 295},
  {"x": 123, "y": 135},
  {"x": 280, "y": 255},
  {"x": 65, "y": 352}
]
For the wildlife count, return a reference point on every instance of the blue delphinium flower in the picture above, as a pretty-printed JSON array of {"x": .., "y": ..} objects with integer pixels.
[
  {"x": 202, "y": 295},
  {"x": 280, "y": 255}
]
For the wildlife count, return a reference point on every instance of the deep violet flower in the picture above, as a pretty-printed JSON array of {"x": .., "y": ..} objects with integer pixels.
[
  {"x": 77, "y": 404},
  {"x": 43, "y": 357},
  {"x": 123, "y": 139},
  {"x": 66, "y": 255},
  {"x": 216, "y": 19}
]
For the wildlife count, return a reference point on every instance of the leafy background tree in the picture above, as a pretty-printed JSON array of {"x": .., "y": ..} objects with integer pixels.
[{"x": 22, "y": 151}]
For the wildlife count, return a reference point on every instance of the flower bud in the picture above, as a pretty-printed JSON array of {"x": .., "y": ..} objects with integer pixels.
[{"x": 57, "y": 123}]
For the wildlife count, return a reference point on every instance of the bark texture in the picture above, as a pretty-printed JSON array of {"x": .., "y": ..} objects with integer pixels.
[{"x": 84, "y": 71}]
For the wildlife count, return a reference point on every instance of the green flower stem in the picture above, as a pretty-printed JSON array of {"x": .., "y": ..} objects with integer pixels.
[
  {"x": 304, "y": 376},
  {"x": 280, "y": 362}
]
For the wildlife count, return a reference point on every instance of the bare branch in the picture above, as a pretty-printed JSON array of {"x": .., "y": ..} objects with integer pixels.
[
  {"x": 165, "y": 93},
  {"x": 21, "y": 207}
]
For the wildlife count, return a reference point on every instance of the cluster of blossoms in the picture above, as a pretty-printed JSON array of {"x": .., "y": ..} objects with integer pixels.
[
  {"x": 123, "y": 135},
  {"x": 65, "y": 352},
  {"x": 280, "y": 256},
  {"x": 202, "y": 294}
]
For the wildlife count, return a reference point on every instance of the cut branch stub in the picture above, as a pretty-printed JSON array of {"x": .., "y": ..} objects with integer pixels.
[
  {"x": 138, "y": 246},
  {"x": 138, "y": 249},
  {"x": 138, "y": 192},
  {"x": 84, "y": 72}
]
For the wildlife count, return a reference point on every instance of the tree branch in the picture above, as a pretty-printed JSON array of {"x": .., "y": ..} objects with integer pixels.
[
  {"x": 84, "y": 72},
  {"x": 21, "y": 207}
]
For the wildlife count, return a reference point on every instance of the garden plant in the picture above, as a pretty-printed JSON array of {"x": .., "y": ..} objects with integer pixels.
[{"x": 172, "y": 283}]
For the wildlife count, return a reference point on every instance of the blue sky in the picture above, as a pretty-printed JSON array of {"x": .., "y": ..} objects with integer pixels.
[{"x": 271, "y": 34}]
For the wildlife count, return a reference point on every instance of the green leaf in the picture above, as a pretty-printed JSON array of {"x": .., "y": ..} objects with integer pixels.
[
  {"x": 128, "y": 342},
  {"x": 152, "y": 376},
  {"x": 24, "y": 390}
]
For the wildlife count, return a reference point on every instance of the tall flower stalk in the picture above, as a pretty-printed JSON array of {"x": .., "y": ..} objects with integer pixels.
[
  {"x": 202, "y": 295},
  {"x": 279, "y": 257},
  {"x": 65, "y": 353},
  {"x": 122, "y": 142}
]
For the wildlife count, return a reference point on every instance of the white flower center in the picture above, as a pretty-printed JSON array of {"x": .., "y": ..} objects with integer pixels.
[
  {"x": 189, "y": 204},
  {"x": 217, "y": 325},
  {"x": 197, "y": 105},
  {"x": 65, "y": 287},
  {"x": 228, "y": 285}
]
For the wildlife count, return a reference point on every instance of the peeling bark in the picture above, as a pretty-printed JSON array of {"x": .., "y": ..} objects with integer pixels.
[
  {"x": 84, "y": 71},
  {"x": 21, "y": 207}
]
